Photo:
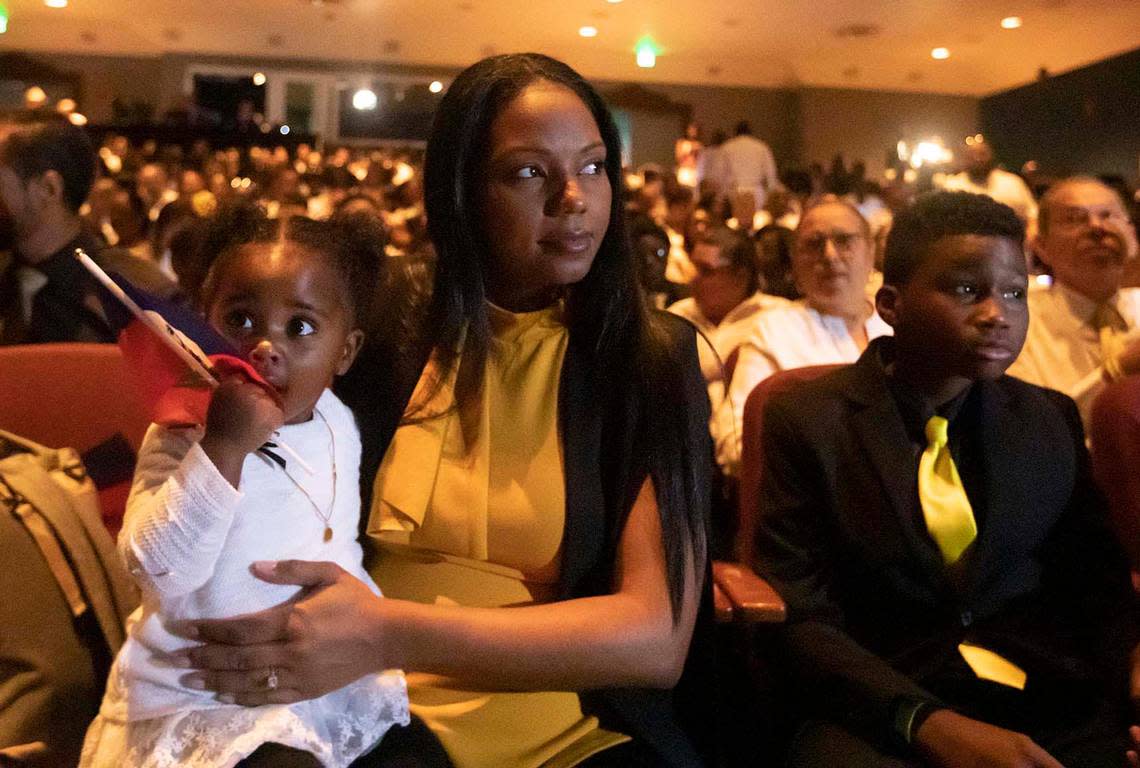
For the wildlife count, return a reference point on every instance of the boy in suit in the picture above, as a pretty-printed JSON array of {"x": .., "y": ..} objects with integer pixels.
[{"x": 955, "y": 596}]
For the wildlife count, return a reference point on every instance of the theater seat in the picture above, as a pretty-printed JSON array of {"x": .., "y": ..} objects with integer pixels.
[
  {"x": 739, "y": 593},
  {"x": 79, "y": 396},
  {"x": 1114, "y": 434}
]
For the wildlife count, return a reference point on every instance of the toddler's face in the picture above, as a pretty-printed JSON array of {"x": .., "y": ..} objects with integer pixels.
[{"x": 285, "y": 309}]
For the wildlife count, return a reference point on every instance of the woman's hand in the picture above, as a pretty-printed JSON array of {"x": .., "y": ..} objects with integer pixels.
[
  {"x": 324, "y": 639},
  {"x": 338, "y": 630}
]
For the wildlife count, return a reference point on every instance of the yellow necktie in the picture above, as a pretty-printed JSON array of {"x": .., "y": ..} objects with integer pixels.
[
  {"x": 1105, "y": 320},
  {"x": 947, "y": 511}
]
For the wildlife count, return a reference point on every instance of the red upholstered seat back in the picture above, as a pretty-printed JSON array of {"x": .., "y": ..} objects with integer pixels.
[
  {"x": 1114, "y": 431},
  {"x": 73, "y": 395},
  {"x": 752, "y": 451}
]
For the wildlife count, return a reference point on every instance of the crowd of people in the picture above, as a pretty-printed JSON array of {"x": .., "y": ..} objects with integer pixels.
[{"x": 543, "y": 462}]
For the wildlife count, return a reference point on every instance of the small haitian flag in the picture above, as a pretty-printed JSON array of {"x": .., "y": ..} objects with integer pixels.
[{"x": 176, "y": 357}]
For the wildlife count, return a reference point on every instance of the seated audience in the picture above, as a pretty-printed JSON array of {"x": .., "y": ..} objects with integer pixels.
[
  {"x": 1084, "y": 328},
  {"x": 46, "y": 295},
  {"x": 831, "y": 264},
  {"x": 725, "y": 302},
  {"x": 955, "y": 596},
  {"x": 153, "y": 187},
  {"x": 679, "y": 269},
  {"x": 539, "y": 508},
  {"x": 981, "y": 176}
]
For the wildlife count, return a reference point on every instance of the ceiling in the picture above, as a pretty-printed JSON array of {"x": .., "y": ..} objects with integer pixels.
[{"x": 766, "y": 43}]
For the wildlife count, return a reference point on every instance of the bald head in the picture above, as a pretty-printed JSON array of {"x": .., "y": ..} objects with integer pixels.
[{"x": 1085, "y": 236}]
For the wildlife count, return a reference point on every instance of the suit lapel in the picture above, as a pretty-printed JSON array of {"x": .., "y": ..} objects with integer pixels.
[
  {"x": 1010, "y": 459},
  {"x": 888, "y": 449}
]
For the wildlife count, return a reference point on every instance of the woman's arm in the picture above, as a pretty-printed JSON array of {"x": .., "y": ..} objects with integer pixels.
[{"x": 338, "y": 631}]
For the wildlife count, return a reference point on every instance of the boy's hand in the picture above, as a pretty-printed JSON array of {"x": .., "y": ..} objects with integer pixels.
[
  {"x": 241, "y": 417},
  {"x": 950, "y": 740}
]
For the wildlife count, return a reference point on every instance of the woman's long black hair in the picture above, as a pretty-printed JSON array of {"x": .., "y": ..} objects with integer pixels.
[{"x": 606, "y": 310}]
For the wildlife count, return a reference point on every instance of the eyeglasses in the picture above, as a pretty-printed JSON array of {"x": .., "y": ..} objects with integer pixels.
[
  {"x": 1078, "y": 218},
  {"x": 844, "y": 242}
]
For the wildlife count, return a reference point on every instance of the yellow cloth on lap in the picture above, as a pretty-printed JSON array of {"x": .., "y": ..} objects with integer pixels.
[{"x": 477, "y": 519}]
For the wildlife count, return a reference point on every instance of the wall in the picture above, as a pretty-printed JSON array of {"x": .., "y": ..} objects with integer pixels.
[
  {"x": 771, "y": 113},
  {"x": 801, "y": 125},
  {"x": 1087, "y": 120},
  {"x": 130, "y": 78},
  {"x": 868, "y": 124}
]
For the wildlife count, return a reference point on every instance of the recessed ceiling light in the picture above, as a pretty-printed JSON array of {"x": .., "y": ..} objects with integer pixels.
[
  {"x": 259, "y": 78},
  {"x": 364, "y": 99},
  {"x": 613, "y": 2},
  {"x": 55, "y": 3},
  {"x": 436, "y": 86},
  {"x": 940, "y": 53},
  {"x": 588, "y": 31},
  {"x": 1011, "y": 22}
]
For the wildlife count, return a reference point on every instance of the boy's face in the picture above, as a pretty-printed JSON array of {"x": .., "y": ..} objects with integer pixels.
[
  {"x": 284, "y": 309},
  {"x": 964, "y": 311}
]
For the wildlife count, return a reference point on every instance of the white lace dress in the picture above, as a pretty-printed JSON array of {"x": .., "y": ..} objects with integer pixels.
[{"x": 189, "y": 539}]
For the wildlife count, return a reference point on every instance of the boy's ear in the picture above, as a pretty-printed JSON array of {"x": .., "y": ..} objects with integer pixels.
[
  {"x": 352, "y": 344},
  {"x": 888, "y": 303}
]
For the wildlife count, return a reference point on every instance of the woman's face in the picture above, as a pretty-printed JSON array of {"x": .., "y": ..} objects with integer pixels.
[{"x": 546, "y": 204}]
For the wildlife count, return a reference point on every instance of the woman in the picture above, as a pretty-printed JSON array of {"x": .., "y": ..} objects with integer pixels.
[{"x": 550, "y": 457}]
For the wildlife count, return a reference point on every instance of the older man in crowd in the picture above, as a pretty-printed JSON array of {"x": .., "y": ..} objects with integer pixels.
[
  {"x": 832, "y": 260},
  {"x": 1084, "y": 329}
]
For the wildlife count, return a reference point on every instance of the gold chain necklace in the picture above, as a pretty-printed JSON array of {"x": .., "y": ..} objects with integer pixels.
[{"x": 324, "y": 517}]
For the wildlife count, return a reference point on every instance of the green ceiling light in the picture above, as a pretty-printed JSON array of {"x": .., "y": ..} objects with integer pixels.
[
  {"x": 647, "y": 52},
  {"x": 3, "y": 18}
]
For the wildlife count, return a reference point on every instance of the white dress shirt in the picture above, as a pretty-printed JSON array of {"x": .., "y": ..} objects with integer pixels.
[
  {"x": 748, "y": 164},
  {"x": 1062, "y": 349},
  {"x": 1003, "y": 186},
  {"x": 719, "y": 341},
  {"x": 791, "y": 336}
]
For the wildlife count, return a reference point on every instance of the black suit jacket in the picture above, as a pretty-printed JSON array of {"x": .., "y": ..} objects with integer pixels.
[
  {"x": 606, "y": 462},
  {"x": 874, "y": 615},
  {"x": 66, "y": 308}
]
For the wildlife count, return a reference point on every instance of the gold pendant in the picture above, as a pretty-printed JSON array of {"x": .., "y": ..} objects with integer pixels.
[{"x": 328, "y": 533}]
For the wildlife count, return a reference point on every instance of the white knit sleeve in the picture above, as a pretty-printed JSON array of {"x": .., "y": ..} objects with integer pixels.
[{"x": 178, "y": 514}]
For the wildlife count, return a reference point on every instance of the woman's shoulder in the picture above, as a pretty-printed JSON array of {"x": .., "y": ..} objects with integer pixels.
[{"x": 675, "y": 332}]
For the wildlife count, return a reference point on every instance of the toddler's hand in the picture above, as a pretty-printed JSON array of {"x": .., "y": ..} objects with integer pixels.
[{"x": 242, "y": 416}]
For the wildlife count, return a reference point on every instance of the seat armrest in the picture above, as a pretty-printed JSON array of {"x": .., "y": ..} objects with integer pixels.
[
  {"x": 722, "y": 606},
  {"x": 753, "y": 600}
]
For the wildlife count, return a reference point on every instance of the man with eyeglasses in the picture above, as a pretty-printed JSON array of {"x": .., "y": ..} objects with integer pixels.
[
  {"x": 1084, "y": 329},
  {"x": 832, "y": 261}
]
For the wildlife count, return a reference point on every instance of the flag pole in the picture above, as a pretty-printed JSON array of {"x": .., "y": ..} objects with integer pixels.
[{"x": 164, "y": 331}]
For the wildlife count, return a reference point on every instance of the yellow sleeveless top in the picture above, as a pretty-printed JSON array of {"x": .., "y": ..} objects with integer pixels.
[{"x": 477, "y": 520}]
